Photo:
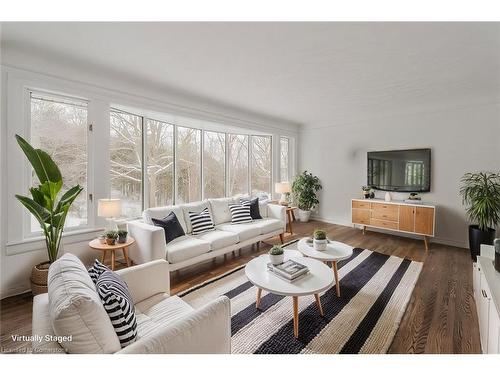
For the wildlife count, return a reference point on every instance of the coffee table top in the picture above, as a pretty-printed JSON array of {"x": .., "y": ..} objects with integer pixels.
[
  {"x": 319, "y": 279},
  {"x": 335, "y": 251}
]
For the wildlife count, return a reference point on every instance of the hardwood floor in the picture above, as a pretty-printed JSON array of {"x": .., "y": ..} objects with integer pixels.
[{"x": 440, "y": 318}]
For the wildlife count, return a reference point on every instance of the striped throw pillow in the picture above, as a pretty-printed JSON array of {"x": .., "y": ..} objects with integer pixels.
[
  {"x": 201, "y": 221},
  {"x": 119, "y": 305},
  {"x": 97, "y": 270},
  {"x": 240, "y": 214}
]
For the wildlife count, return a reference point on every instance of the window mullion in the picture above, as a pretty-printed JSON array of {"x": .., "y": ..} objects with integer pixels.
[{"x": 145, "y": 184}]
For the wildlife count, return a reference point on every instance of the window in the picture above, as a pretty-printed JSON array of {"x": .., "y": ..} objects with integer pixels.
[
  {"x": 284, "y": 159},
  {"x": 160, "y": 162},
  {"x": 188, "y": 165},
  {"x": 59, "y": 127},
  {"x": 214, "y": 164},
  {"x": 261, "y": 165},
  {"x": 126, "y": 161},
  {"x": 238, "y": 164}
]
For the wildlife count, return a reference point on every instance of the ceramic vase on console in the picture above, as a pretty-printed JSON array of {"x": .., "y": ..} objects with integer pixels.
[{"x": 388, "y": 197}]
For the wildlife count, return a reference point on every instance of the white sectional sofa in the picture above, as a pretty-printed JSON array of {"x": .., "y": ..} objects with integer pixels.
[{"x": 191, "y": 249}]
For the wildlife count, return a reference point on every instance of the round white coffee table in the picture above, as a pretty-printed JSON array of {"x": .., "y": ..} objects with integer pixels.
[
  {"x": 318, "y": 279},
  {"x": 335, "y": 252}
]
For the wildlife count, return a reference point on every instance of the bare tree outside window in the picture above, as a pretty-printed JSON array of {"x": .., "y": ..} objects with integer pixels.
[
  {"x": 261, "y": 165},
  {"x": 160, "y": 162},
  {"x": 284, "y": 159},
  {"x": 214, "y": 166},
  {"x": 238, "y": 164},
  {"x": 188, "y": 165},
  {"x": 59, "y": 127},
  {"x": 126, "y": 161}
]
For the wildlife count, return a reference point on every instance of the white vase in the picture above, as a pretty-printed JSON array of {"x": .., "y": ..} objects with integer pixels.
[
  {"x": 277, "y": 259},
  {"x": 304, "y": 215},
  {"x": 320, "y": 245},
  {"x": 388, "y": 197}
]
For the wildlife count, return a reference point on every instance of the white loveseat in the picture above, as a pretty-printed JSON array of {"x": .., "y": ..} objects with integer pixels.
[
  {"x": 191, "y": 249},
  {"x": 165, "y": 324}
]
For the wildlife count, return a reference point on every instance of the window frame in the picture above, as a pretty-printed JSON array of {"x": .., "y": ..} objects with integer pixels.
[
  {"x": 288, "y": 158},
  {"x": 27, "y": 232}
]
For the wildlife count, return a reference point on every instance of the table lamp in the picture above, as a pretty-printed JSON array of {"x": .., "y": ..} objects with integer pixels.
[
  {"x": 283, "y": 188},
  {"x": 110, "y": 209}
]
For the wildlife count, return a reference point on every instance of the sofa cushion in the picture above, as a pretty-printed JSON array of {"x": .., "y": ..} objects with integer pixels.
[
  {"x": 76, "y": 310},
  {"x": 254, "y": 207},
  {"x": 119, "y": 305},
  {"x": 268, "y": 225},
  {"x": 170, "y": 225},
  {"x": 158, "y": 313},
  {"x": 186, "y": 247},
  {"x": 240, "y": 214},
  {"x": 201, "y": 222},
  {"x": 220, "y": 210},
  {"x": 244, "y": 231},
  {"x": 162, "y": 212},
  {"x": 193, "y": 207},
  {"x": 219, "y": 239},
  {"x": 96, "y": 270}
]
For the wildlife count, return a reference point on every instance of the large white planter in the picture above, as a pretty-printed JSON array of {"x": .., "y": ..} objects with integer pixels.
[{"x": 304, "y": 215}]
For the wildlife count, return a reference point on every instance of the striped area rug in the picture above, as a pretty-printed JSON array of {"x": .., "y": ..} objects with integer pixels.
[{"x": 375, "y": 290}]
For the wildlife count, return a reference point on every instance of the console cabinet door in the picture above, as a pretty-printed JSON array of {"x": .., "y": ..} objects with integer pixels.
[
  {"x": 493, "y": 330},
  {"x": 424, "y": 220},
  {"x": 407, "y": 218}
]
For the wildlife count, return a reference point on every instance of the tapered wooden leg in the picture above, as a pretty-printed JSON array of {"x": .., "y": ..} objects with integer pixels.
[
  {"x": 103, "y": 258},
  {"x": 289, "y": 214},
  {"x": 426, "y": 242},
  {"x": 259, "y": 294},
  {"x": 318, "y": 302},
  {"x": 364, "y": 229},
  {"x": 281, "y": 238},
  {"x": 113, "y": 256},
  {"x": 293, "y": 214},
  {"x": 295, "y": 316},
  {"x": 125, "y": 255},
  {"x": 336, "y": 273}
]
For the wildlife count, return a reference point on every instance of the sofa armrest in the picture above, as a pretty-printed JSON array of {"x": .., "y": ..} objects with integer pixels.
[
  {"x": 146, "y": 280},
  {"x": 42, "y": 327},
  {"x": 203, "y": 331},
  {"x": 149, "y": 242},
  {"x": 277, "y": 211}
]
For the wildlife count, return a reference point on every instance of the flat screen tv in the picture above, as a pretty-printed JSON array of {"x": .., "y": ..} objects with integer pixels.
[{"x": 400, "y": 170}]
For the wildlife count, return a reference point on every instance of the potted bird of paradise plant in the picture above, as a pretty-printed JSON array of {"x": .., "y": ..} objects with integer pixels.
[{"x": 44, "y": 205}]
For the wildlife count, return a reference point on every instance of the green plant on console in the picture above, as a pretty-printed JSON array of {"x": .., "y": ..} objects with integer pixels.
[
  {"x": 304, "y": 187},
  {"x": 43, "y": 204},
  {"x": 276, "y": 250}
]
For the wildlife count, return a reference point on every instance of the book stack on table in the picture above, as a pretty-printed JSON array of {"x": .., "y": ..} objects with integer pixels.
[{"x": 289, "y": 271}]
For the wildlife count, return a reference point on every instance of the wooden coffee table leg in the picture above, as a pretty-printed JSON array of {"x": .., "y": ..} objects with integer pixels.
[
  {"x": 318, "y": 302},
  {"x": 113, "y": 255},
  {"x": 336, "y": 273},
  {"x": 295, "y": 316},
  {"x": 103, "y": 258},
  {"x": 125, "y": 255},
  {"x": 259, "y": 293}
]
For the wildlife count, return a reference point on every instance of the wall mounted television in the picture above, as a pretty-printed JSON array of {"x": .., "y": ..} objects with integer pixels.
[{"x": 400, "y": 170}]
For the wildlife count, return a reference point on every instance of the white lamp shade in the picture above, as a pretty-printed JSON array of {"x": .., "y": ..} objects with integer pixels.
[
  {"x": 283, "y": 187},
  {"x": 109, "y": 208}
]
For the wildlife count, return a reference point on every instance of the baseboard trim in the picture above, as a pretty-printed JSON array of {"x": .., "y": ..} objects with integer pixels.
[{"x": 443, "y": 241}]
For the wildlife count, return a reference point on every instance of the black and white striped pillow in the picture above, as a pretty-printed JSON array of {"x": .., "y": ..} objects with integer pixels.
[
  {"x": 119, "y": 305},
  {"x": 201, "y": 221},
  {"x": 97, "y": 270},
  {"x": 240, "y": 214}
]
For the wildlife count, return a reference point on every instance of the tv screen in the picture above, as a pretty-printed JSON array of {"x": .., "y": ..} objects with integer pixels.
[{"x": 400, "y": 170}]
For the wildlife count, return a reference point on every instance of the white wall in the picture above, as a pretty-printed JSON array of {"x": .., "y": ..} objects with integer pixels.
[
  {"x": 18, "y": 254},
  {"x": 462, "y": 139}
]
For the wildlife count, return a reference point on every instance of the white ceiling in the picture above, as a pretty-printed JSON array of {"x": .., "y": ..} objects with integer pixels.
[{"x": 315, "y": 74}]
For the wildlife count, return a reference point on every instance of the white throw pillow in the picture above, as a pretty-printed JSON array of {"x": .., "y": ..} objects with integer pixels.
[
  {"x": 220, "y": 210},
  {"x": 76, "y": 311}
]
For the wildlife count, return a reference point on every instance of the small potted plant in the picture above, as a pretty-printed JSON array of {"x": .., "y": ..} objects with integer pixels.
[
  {"x": 122, "y": 236},
  {"x": 102, "y": 239},
  {"x": 320, "y": 240},
  {"x": 366, "y": 191},
  {"x": 111, "y": 236},
  {"x": 276, "y": 255}
]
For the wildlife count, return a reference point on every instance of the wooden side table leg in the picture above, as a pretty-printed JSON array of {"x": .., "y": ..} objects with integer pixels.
[
  {"x": 125, "y": 255},
  {"x": 295, "y": 316},
  {"x": 281, "y": 238},
  {"x": 336, "y": 273},
  {"x": 293, "y": 214},
  {"x": 113, "y": 256},
  {"x": 318, "y": 302},
  {"x": 290, "y": 221},
  {"x": 259, "y": 294},
  {"x": 103, "y": 257}
]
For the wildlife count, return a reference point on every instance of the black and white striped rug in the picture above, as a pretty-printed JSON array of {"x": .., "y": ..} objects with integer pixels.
[{"x": 375, "y": 290}]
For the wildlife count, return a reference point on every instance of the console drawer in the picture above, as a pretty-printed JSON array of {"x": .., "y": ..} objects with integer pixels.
[
  {"x": 360, "y": 216},
  {"x": 384, "y": 224},
  {"x": 391, "y": 214},
  {"x": 360, "y": 204}
]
